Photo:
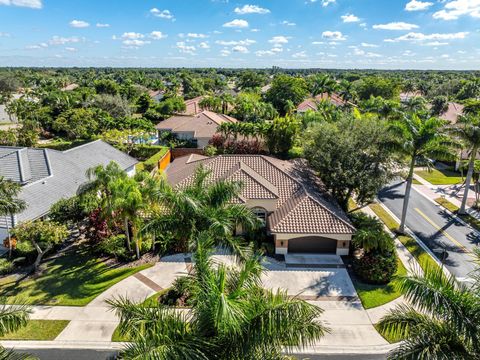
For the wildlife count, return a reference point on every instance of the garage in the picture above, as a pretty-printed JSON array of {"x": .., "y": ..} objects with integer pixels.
[{"x": 312, "y": 244}]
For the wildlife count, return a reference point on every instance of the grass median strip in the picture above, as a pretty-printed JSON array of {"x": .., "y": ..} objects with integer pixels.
[
  {"x": 440, "y": 177},
  {"x": 469, "y": 219},
  {"x": 423, "y": 257},
  {"x": 38, "y": 330}
]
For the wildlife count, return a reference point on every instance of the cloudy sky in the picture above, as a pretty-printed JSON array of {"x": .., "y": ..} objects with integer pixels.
[{"x": 385, "y": 34}]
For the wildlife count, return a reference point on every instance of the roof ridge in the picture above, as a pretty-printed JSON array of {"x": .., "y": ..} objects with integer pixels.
[
  {"x": 83, "y": 145},
  {"x": 259, "y": 179}
]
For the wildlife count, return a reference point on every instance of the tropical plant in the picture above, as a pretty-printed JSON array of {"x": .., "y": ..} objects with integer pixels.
[
  {"x": 420, "y": 139},
  {"x": 13, "y": 318},
  {"x": 10, "y": 204},
  {"x": 441, "y": 320},
  {"x": 232, "y": 317}
]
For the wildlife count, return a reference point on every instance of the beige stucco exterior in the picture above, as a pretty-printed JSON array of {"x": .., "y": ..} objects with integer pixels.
[{"x": 342, "y": 248}]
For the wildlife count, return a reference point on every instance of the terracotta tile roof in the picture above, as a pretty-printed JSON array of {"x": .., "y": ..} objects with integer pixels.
[
  {"x": 453, "y": 112},
  {"x": 299, "y": 209},
  {"x": 311, "y": 104},
  {"x": 192, "y": 106}
]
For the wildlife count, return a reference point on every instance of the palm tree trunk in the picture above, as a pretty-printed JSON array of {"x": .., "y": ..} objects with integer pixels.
[
  {"x": 127, "y": 232},
  {"x": 406, "y": 199},
  {"x": 468, "y": 180},
  {"x": 9, "y": 237}
]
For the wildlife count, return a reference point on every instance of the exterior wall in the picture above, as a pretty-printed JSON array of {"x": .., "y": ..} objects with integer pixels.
[
  {"x": 202, "y": 142},
  {"x": 180, "y": 152},
  {"x": 343, "y": 242},
  {"x": 268, "y": 204},
  {"x": 165, "y": 160},
  {"x": 130, "y": 171}
]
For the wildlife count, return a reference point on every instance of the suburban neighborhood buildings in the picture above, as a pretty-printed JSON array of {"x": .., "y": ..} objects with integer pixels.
[
  {"x": 311, "y": 103},
  {"x": 199, "y": 128},
  {"x": 47, "y": 175},
  {"x": 284, "y": 194}
]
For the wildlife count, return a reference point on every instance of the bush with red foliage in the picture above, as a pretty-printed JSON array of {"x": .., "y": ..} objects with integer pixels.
[{"x": 232, "y": 146}]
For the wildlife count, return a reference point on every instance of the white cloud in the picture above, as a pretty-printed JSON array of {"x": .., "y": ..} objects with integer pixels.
[
  {"x": 350, "y": 18},
  {"x": 255, "y": 30},
  {"x": 251, "y": 9},
  {"x": 325, "y": 3},
  {"x": 163, "y": 14},
  {"x": 318, "y": 42},
  {"x": 4, "y": 34},
  {"x": 395, "y": 26},
  {"x": 100, "y": 25},
  {"x": 132, "y": 35},
  {"x": 288, "y": 23},
  {"x": 416, "y": 5},
  {"x": 59, "y": 40},
  {"x": 33, "y": 4},
  {"x": 71, "y": 49},
  {"x": 278, "y": 40},
  {"x": 436, "y": 43},
  {"x": 457, "y": 8},
  {"x": 367, "y": 45},
  {"x": 79, "y": 24},
  {"x": 224, "y": 52},
  {"x": 134, "y": 43},
  {"x": 333, "y": 36},
  {"x": 204, "y": 45},
  {"x": 419, "y": 37},
  {"x": 261, "y": 53},
  {"x": 186, "y": 49},
  {"x": 237, "y": 23},
  {"x": 157, "y": 35},
  {"x": 240, "y": 49},
  {"x": 299, "y": 55},
  {"x": 197, "y": 36},
  {"x": 246, "y": 42}
]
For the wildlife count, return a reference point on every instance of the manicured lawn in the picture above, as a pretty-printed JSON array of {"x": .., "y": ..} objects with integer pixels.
[
  {"x": 440, "y": 177},
  {"x": 38, "y": 330},
  {"x": 469, "y": 219},
  {"x": 391, "y": 340},
  {"x": 423, "y": 258},
  {"x": 74, "y": 279},
  {"x": 376, "y": 295}
]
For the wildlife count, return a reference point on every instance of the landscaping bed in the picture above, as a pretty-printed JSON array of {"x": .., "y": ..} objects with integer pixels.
[{"x": 38, "y": 330}]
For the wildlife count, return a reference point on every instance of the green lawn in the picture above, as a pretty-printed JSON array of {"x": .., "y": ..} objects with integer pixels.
[
  {"x": 391, "y": 340},
  {"x": 376, "y": 295},
  {"x": 469, "y": 219},
  {"x": 440, "y": 177},
  {"x": 423, "y": 258},
  {"x": 38, "y": 330},
  {"x": 74, "y": 279}
]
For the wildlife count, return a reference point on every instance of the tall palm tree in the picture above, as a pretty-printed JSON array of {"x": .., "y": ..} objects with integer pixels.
[
  {"x": 420, "y": 138},
  {"x": 442, "y": 320},
  {"x": 322, "y": 83},
  {"x": 232, "y": 317},
  {"x": 467, "y": 130},
  {"x": 13, "y": 318},
  {"x": 201, "y": 206},
  {"x": 10, "y": 204}
]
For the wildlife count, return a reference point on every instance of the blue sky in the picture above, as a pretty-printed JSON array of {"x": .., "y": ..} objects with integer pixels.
[{"x": 384, "y": 34}]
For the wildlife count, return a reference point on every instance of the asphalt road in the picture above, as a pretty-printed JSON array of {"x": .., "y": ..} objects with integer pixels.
[{"x": 435, "y": 227}]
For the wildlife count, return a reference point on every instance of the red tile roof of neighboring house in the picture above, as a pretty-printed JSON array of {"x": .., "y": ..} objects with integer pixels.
[
  {"x": 311, "y": 104},
  {"x": 70, "y": 87},
  {"x": 192, "y": 106},
  {"x": 300, "y": 207},
  {"x": 453, "y": 112}
]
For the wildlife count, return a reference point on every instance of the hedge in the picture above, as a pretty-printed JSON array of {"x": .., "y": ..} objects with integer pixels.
[{"x": 152, "y": 162}]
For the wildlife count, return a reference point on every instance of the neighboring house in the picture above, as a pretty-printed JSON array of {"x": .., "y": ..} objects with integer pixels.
[
  {"x": 265, "y": 88},
  {"x": 406, "y": 96},
  {"x": 192, "y": 106},
  {"x": 156, "y": 95},
  {"x": 199, "y": 128},
  {"x": 47, "y": 175},
  {"x": 453, "y": 112},
  {"x": 70, "y": 87},
  {"x": 311, "y": 104},
  {"x": 286, "y": 195},
  {"x": 5, "y": 117}
]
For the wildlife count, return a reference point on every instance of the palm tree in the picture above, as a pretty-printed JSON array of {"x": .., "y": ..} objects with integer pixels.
[
  {"x": 232, "y": 317},
  {"x": 419, "y": 138},
  {"x": 441, "y": 321},
  {"x": 468, "y": 131},
  {"x": 201, "y": 206},
  {"x": 10, "y": 204},
  {"x": 323, "y": 84},
  {"x": 13, "y": 318},
  {"x": 227, "y": 100}
]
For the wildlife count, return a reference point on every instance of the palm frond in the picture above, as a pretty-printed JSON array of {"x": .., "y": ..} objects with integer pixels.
[{"x": 13, "y": 317}]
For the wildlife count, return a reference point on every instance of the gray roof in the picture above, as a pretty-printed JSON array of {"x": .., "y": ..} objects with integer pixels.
[{"x": 52, "y": 175}]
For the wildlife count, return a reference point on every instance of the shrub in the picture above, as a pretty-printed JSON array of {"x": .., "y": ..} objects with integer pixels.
[
  {"x": 66, "y": 210},
  {"x": 376, "y": 267},
  {"x": 152, "y": 162},
  {"x": 179, "y": 294},
  {"x": 115, "y": 246},
  {"x": 25, "y": 251},
  {"x": 6, "y": 267}
]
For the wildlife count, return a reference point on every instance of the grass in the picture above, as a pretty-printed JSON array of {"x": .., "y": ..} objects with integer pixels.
[
  {"x": 440, "y": 177},
  {"x": 416, "y": 182},
  {"x": 38, "y": 330},
  {"x": 74, "y": 279},
  {"x": 423, "y": 257},
  {"x": 390, "y": 339},
  {"x": 375, "y": 295},
  {"x": 469, "y": 219}
]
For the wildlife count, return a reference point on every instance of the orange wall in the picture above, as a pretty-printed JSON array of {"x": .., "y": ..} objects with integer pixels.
[{"x": 164, "y": 161}]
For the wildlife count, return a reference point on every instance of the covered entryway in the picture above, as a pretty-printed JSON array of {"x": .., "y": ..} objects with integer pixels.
[{"x": 312, "y": 244}]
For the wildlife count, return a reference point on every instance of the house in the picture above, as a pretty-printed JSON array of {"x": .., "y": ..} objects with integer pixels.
[
  {"x": 70, "y": 87},
  {"x": 454, "y": 110},
  {"x": 192, "y": 106},
  {"x": 407, "y": 96},
  {"x": 47, "y": 175},
  {"x": 199, "y": 128},
  {"x": 156, "y": 95},
  {"x": 286, "y": 195},
  {"x": 311, "y": 103}
]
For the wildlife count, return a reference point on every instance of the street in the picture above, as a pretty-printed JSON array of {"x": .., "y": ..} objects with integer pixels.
[{"x": 435, "y": 227}]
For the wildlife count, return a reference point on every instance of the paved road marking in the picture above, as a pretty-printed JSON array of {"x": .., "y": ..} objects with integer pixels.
[{"x": 448, "y": 236}]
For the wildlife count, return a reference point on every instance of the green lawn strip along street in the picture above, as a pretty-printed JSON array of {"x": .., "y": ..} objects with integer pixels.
[
  {"x": 38, "y": 330},
  {"x": 440, "y": 177},
  {"x": 391, "y": 340},
  {"x": 72, "y": 279},
  {"x": 376, "y": 295},
  {"x": 423, "y": 258},
  {"x": 469, "y": 219}
]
